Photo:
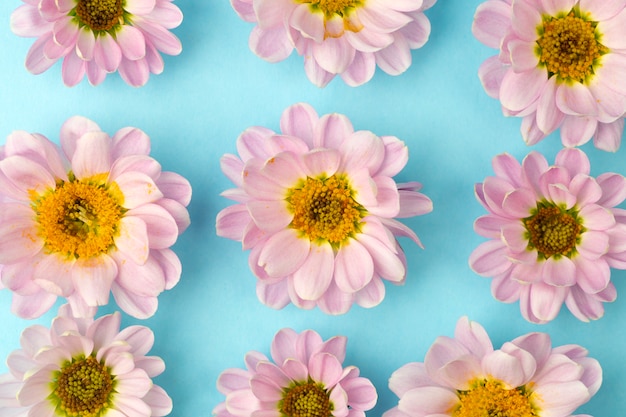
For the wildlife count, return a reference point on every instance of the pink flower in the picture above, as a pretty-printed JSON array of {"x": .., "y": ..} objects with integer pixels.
[
  {"x": 561, "y": 63},
  {"x": 114, "y": 372},
  {"x": 554, "y": 234},
  {"x": 306, "y": 378},
  {"x": 345, "y": 37},
  {"x": 96, "y": 37},
  {"x": 96, "y": 216},
  {"x": 465, "y": 376},
  {"x": 316, "y": 206}
]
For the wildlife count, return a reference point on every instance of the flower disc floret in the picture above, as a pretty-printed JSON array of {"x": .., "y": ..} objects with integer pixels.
[
  {"x": 100, "y": 14},
  {"x": 305, "y": 377},
  {"x": 490, "y": 398},
  {"x": 317, "y": 207},
  {"x": 83, "y": 387},
  {"x": 324, "y": 209},
  {"x": 81, "y": 367},
  {"x": 98, "y": 37},
  {"x": 95, "y": 216},
  {"x": 306, "y": 400},
  {"x": 79, "y": 219},
  {"x": 464, "y": 376},
  {"x": 560, "y": 65},
  {"x": 569, "y": 47},
  {"x": 554, "y": 233},
  {"x": 349, "y": 38}
]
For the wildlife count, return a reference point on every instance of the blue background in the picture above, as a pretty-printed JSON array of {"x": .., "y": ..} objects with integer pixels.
[{"x": 215, "y": 89}]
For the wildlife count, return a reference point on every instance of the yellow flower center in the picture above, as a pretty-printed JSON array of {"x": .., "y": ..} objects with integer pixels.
[
  {"x": 489, "y": 398},
  {"x": 333, "y": 8},
  {"x": 569, "y": 47},
  {"x": 83, "y": 388},
  {"x": 308, "y": 400},
  {"x": 79, "y": 219},
  {"x": 100, "y": 15},
  {"x": 323, "y": 209},
  {"x": 553, "y": 231}
]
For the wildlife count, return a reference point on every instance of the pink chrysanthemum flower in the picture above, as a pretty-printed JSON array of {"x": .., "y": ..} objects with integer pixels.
[
  {"x": 94, "y": 217},
  {"x": 555, "y": 233},
  {"x": 307, "y": 378},
  {"x": 562, "y": 63},
  {"x": 96, "y": 37},
  {"x": 338, "y": 37},
  {"x": 316, "y": 206},
  {"x": 465, "y": 377},
  {"x": 84, "y": 368}
]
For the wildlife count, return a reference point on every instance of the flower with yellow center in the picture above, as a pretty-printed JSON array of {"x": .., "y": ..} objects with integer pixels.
[
  {"x": 465, "y": 376},
  {"x": 84, "y": 368},
  {"x": 305, "y": 379},
  {"x": 317, "y": 207},
  {"x": 554, "y": 233},
  {"x": 349, "y": 38},
  {"x": 561, "y": 65},
  {"x": 97, "y": 37},
  {"x": 94, "y": 217}
]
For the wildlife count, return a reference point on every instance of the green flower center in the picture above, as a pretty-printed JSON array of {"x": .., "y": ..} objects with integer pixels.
[
  {"x": 569, "y": 47},
  {"x": 489, "y": 398},
  {"x": 100, "y": 15},
  {"x": 83, "y": 388},
  {"x": 79, "y": 219},
  {"x": 332, "y": 7},
  {"x": 323, "y": 209},
  {"x": 308, "y": 400},
  {"x": 553, "y": 231}
]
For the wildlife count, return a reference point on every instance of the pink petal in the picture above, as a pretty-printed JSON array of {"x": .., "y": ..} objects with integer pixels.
[
  {"x": 325, "y": 368},
  {"x": 362, "y": 149},
  {"x": 321, "y": 162},
  {"x": 354, "y": 267},
  {"x": 131, "y": 42},
  {"x": 427, "y": 401},
  {"x": 491, "y": 22},
  {"x": 596, "y": 217},
  {"x": 92, "y": 278},
  {"x": 361, "y": 70},
  {"x": 361, "y": 393},
  {"x": 525, "y": 20},
  {"x": 145, "y": 280},
  {"x": 107, "y": 52},
  {"x": 140, "y": 7},
  {"x": 159, "y": 402},
  {"x": 284, "y": 253},
  {"x": 272, "y": 44},
  {"x": 334, "y": 54},
  {"x": 577, "y": 131},
  {"x": 299, "y": 120},
  {"x": 592, "y": 276},
  {"x": 135, "y": 305},
  {"x": 520, "y": 90},
  {"x": 489, "y": 258},
  {"x": 560, "y": 272},
  {"x": 386, "y": 263},
  {"x": 395, "y": 58},
  {"x": 133, "y": 239},
  {"x": 576, "y": 99},
  {"x": 310, "y": 23},
  {"x": 313, "y": 277},
  {"x": 137, "y": 189},
  {"x": 265, "y": 389},
  {"x": 36, "y": 62},
  {"x": 613, "y": 189}
]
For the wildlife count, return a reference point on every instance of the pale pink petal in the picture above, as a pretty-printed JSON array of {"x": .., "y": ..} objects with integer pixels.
[
  {"x": 157, "y": 35},
  {"x": 559, "y": 272},
  {"x": 395, "y": 58},
  {"x": 310, "y": 23},
  {"x": 36, "y": 62},
  {"x": 576, "y": 99},
  {"x": 381, "y": 19},
  {"x": 313, "y": 277},
  {"x": 612, "y": 32},
  {"x": 299, "y": 120},
  {"x": 473, "y": 336},
  {"x": 26, "y": 175},
  {"x": 549, "y": 116},
  {"x": 265, "y": 388},
  {"x": 608, "y": 136},
  {"x": 520, "y": 90},
  {"x": 613, "y": 189},
  {"x": 428, "y": 401},
  {"x": 92, "y": 278},
  {"x": 325, "y": 368},
  {"x": 316, "y": 74},
  {"x": 27, "y": 21},
  {"x": 489, "y": 258},
  {"x": 140, "y": 7},
  {"x": 361, "y": 70},
  {"x": 137, "y": 189},
  {"x": 354, "y": 267},
  {"x": 159, "y": 402},
  {"x": 525, "y": 20},
  {"x": 133, "y": 239},
  {"x": 146, "y": 280},
  {"x": 386, "y": 263},
  {"x": 577, "y": 130},
  {"x": 107, "y": 52},
  {"x": 32, "y": 306},
  {"x": 271, "y": 44},
  {"x": 135, "y": 305},
  {"x": 334, "y": 301},
  {"x": 491, "y": 22},
  {"x": 131, "y": 406},
  {"x": 134, "y": 73},
  {"x": 284, "y": 253},
  {"x": 592, "y": 276},
  {"x": 334, "y": 54}
]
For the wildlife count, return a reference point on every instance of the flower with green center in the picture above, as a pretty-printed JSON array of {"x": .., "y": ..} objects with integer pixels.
[
  {"x": 562, "y": 64},
  {"x": 349, "y": 38},
  {"x": 317, "y": 206},
  {"x": 84, "y": 368},
  {"x": 96, "y": 37},
  {"x": 465, "y": 376},
  {"x": 94, "y": 217},
  {"x": 305, "y": 379},
  {"x": 554, "y": 234}
]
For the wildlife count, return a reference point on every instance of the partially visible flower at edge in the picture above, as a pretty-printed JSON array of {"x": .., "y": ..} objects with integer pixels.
[
  {"x": 93, "y": 216},
  {"x": 464, "y": 376},
  {"x": 554, "y": 231},
  {"x": 97, "y": 37},
  {"x": 306, "y": 378},
  {"x": 316, "y": 205},
  {"x": 561, "y": 64},
  {"x": 348, "y": 38},
  {"x": 114, "y": 372}
]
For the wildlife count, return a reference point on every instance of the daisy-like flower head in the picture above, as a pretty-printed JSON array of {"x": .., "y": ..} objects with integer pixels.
[
  {"x": 554, "y": 234},
  {"x": 307, "y": 378},
  {"x": 84, "y": 368},
  {"x": 338, "y": 37},
  {"x": 92, "y": 217},
  {"x": 316, "y": 206},
  {"x": 96, "y": 37},
  {"x": 465, "y": 377},
  {"x": 561, "y": 63}
]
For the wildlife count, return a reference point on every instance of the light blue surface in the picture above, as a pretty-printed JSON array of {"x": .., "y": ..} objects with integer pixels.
[{"x": 215, "y": 89}]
